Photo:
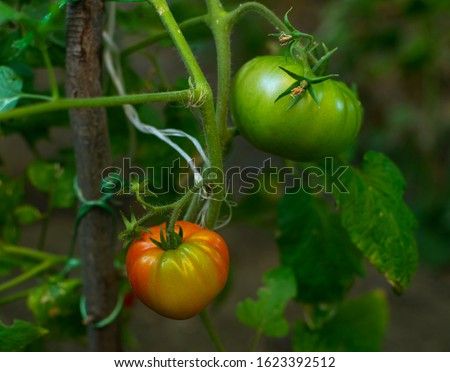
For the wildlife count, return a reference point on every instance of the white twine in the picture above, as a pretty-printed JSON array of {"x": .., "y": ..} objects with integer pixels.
[{"x": 114, "y": 69}]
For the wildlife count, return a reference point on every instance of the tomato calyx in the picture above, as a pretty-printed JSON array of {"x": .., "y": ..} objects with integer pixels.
[
  {"x": 304, "y": 53},
  {"x": 302, "y": 85},
  {"x": 292, "y": 37},
  {"x": 169, "y": 238}
]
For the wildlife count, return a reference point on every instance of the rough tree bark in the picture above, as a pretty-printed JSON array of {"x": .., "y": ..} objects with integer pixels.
[{"x": 91, "y": 143}]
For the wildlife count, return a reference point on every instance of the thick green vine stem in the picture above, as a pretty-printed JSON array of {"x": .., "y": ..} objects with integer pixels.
[
  {"x": 203, "y": 98},
  {"x": 134, "y": 226},
  {"x": 46, "y": 262},
  {"x": 221, "y": 23},
  {"x": 36, "y": 270},
  {"x": 253, "y": 6},
  {"x": 69, "y": 103},
  {"x": 221, "y": 28}
]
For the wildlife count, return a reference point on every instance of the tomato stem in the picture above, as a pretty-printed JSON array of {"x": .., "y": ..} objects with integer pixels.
[
  {"x": 203, "y": 98},
  {"x": 256, "y": 340},
  {"x": 253, "y": 6},
  {"x": 47, "y": 261},
  {"x": 69, "y": 103},
  {"x": 43, "y": 266},
  {"x": 31, "y": 253},
  {"x": 220, "y": 27},
  {"x": 211, "y": 330}
]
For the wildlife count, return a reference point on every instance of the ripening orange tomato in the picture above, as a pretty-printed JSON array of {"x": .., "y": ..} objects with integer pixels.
[{"x": 178, "y": 283}]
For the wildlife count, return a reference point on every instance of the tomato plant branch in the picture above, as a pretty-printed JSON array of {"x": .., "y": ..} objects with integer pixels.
[
  {"x": 31, "y": 253},
  {"x": 175, "y": 206},
  {"x": 258, "y": 8},
  {"x": 204, "y": 99},
  {"x": 35, "y": 96},
  {"x": 220, "y": 27},
  {"x": 255, "y": 341},
  {"x": 180, "y": 42},
  {"x": 92, "y": 102},
  {"x": 43, "y": 266},
  {"x": 192, "y": 209},
  {"x": 211, "y": 330},
  {"x": 221, "y": 23},
  {"x": 14, "y": 297},
  {"x": 179, "y": 205}
]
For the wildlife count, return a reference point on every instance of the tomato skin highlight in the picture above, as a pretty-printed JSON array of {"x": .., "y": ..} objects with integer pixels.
[
  {"x": 178, "y": 283},
  {"x": 305, "y": 132}
]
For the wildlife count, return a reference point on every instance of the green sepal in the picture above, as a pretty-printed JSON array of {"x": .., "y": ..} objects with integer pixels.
[
  {"x": 128, "y": 235},
  {"x": 129, "y": 224},
  {"x": 287, "y": 22},
  {"x": 294, "y": 35},
  {"x": 287, "y": 91},
  {"x": 320, "y": 79},
  {"x": 157, "y": 243},
  {"x": 180, "y": 233},
  {"x": 312, "y": 93},
  {"x": 321, "y": 65},
  {"x": 293, "y": 31},
  {"x": 295, "y": 100},
  {"x": 305, "y": 83},
  {"x": 293, "y": 75}
]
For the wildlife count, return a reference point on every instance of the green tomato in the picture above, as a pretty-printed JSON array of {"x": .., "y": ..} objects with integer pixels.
[{"x": 305, "y": 132}]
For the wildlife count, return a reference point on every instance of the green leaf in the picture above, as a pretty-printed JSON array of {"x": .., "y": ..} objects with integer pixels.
[
  {"x": 10, "y": 88},
  {"x": 19, "y": 335},
  {"x": 267, "y": 313},
  {"x": 26, "y": 214},
  {"x": 43, "y": 175},
  {"x": 55, "y": 180},
  {"x": 64, "y": 194},
  {"x": 359, "y": 325},
  {"x": 379, "y": 222},
  {"x": 314, "y": 245}
]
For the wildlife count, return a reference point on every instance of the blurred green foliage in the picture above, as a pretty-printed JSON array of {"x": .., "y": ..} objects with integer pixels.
[{"x": 397, "y": 53}]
